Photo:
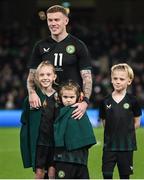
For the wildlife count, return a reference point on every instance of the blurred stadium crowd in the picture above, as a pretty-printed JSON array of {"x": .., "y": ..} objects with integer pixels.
[{"x": 108, "y": 44}]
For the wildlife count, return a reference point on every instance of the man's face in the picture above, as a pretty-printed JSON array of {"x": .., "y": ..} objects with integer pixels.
[{"x": 57, "y": 23}]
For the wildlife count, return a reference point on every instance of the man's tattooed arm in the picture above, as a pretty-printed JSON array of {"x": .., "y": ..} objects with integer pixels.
[
  {"x": 30, "y": 81},
  {"x": 87, "y": 82},
  {"x": 87, "y": 89}
]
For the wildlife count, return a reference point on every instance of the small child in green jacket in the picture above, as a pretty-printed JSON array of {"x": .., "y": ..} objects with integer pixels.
[{"x": 72, "y": 137}]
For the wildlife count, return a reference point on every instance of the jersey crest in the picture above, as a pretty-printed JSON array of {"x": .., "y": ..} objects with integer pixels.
[
  {"x": 126, "y": 106},
  {"x": 70, "y": 49}
]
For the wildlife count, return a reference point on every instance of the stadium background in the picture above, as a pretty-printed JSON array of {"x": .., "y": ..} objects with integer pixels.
[{"x": 112, "y": 29}]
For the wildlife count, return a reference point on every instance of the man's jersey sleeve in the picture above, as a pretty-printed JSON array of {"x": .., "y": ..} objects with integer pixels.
[
  {"x": 35, "y": 58},
  {"x": 83, "y": 56}
]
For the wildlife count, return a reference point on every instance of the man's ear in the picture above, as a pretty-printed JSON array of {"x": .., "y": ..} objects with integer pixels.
[{"x": 67, "y": 20}]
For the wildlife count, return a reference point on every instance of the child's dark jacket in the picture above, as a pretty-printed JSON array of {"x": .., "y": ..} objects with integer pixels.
[
  {"x": 73, "y": 134},
  {"x": 30, "y": 120}
]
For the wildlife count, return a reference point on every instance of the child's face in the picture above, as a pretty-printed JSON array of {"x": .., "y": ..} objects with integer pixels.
[
  {"x": 68, "y": 97},
  {"x": 120, "y": 80},
  {"x": 46, "y": 76}
]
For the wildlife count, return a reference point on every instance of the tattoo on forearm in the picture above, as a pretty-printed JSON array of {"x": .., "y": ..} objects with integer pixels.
[
  {"x": 30, "y": 81},
  {"x": 87, "y": 82}
]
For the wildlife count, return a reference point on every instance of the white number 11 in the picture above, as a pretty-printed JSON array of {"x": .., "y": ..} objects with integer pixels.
[{"x": 58, "y": 59}]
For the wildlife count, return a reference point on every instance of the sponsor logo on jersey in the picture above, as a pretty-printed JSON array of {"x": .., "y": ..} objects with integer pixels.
[
  {"x": 126, "y": 106},
  {"x": 61, "y": 174},
  {"x": 108, "y": 106},
  {"x": 46, "y": 49},
  {"x": 70, "y": 49}
]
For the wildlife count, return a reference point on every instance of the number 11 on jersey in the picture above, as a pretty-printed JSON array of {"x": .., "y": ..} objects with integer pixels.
[{"x": 58, "y": 59}]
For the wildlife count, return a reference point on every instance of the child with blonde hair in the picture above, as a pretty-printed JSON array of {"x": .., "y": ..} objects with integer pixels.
[
  {"x": 37, "y": 136},
  {"x": 120, "y": 114}
]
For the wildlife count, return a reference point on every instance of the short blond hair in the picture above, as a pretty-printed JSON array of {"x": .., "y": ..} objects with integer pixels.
[
  {"x": 57, "y": 8},
  {"x": 124, "y": 67}
]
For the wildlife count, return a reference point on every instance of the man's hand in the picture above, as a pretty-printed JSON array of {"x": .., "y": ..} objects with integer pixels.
[
  {"x": 34, "y": 100},
  {"x": 80, "y": 110}
]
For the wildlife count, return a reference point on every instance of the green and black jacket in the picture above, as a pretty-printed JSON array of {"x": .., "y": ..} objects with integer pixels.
[
  {"x": 30, "y": 120},
  {"x": 73, "y": 134}
]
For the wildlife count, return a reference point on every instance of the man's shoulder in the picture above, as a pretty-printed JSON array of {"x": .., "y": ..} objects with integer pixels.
[
  {"x": 44, "y": 41},
  {"x": 75, "y": 39}
]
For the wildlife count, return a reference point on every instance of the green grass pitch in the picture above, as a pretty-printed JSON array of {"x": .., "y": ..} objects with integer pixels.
[{"x": 11, "y": 165}]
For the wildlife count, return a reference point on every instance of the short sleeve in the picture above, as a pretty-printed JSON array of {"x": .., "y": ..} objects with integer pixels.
[
  {"x": 102, "y": 110},
  {"x": 136, "y": 107},
  {"x": 84, "y": 57},
  {"x": 35, "y": 57}
]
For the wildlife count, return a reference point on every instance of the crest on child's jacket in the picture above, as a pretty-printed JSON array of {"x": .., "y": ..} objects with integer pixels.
[{"x": 61, "y": 174}]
